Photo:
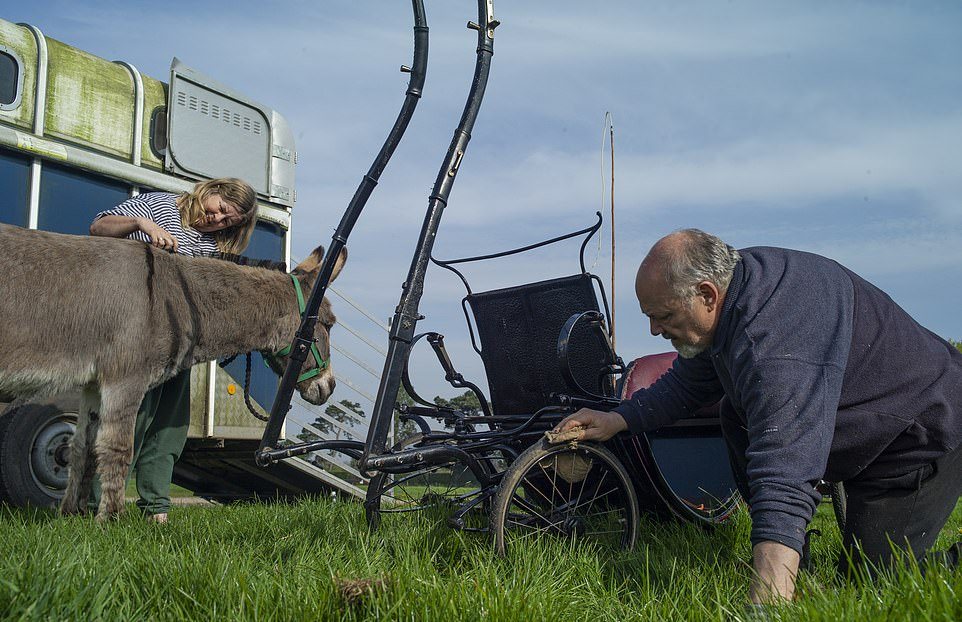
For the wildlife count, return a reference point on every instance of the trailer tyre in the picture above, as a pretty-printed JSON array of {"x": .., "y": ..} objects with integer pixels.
[{"x": 34, "y": 453}]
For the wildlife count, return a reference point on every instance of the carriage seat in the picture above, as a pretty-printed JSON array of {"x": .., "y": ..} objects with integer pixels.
[
  {"x": 518, "y": 329},
  {"x": 644, "y": 371}
]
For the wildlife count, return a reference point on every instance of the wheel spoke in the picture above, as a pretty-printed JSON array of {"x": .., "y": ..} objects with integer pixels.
[
  {"x": 551, "y": 526},
  {"x": 597, "y": 489},
  {"x": 518, "y": 537},
  {"x": 582, "y": 490},
  {"x": 409, "y": 485},
  {"x": 524, "y": 505},
  {"x": 591, "y": 501},
  {"x": 537, "y": 489},
  {"x": 554, "y": 480}
]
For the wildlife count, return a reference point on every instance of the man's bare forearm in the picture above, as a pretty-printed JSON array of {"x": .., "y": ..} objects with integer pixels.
[{"x": 776, "y": 567}]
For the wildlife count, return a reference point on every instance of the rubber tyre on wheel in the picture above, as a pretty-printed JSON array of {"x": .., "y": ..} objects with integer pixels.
[
  {"x": 569, "y": 490},
  {"x": 34, "y": 452}
]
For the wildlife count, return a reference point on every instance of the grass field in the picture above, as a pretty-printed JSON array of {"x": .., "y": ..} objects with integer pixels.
[{"x": 287, "y": 562}]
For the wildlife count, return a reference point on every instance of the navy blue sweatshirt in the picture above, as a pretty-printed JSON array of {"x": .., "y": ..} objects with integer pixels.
[{"x": 830, "y": 378}]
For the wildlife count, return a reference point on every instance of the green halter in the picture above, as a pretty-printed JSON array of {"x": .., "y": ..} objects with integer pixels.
[{"x": 321, "y": 363}]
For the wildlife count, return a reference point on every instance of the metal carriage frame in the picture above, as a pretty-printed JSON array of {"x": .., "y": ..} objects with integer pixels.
[{"x": 542, "y": 344}]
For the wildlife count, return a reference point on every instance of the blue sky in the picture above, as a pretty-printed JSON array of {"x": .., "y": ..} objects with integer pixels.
[{"x": 829, "y": 127}]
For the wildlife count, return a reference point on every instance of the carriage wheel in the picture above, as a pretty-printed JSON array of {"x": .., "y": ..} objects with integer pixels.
[
  {"x": 578, "y": 491},
  {"x": 440, "y": 488}
]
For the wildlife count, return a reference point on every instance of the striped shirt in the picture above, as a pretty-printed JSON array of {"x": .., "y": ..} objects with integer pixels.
[{"x": 161, "y": 207}]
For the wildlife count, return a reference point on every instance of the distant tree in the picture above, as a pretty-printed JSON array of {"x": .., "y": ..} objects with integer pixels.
[
  {"x": 957, "y": 344},
  {"x": 467, "y": 404},
  {"x": 338, "y": 413},
  {"x": 403, "y": 429},
  {"x": 341, "y": 414}
]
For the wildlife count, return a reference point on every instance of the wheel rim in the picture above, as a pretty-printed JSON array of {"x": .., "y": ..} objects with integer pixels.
[
  {"x": 50, "y": 452},
  {"x": 573, "y": 493},
  {"x": 438, "y": 488}
]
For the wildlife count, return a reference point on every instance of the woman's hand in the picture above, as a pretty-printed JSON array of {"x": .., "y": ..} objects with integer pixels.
[
  {"x": 598, "y": 425},
  {"x": 159, "y": 236}
]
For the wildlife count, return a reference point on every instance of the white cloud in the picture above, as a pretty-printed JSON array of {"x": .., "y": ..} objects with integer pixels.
[{"x": 917, "y": 158}]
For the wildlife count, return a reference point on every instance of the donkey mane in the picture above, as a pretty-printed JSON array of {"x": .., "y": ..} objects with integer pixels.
[{"x": 241, "y": 260}]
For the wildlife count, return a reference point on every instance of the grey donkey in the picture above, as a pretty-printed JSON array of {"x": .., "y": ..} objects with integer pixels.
[{"x": 115, "y": 317}]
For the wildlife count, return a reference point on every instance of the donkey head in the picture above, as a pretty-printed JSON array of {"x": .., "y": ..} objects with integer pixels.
[{"x": 316, "y": 380}]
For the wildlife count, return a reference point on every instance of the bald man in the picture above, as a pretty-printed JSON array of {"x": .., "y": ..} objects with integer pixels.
[{"x": 820, "y": 376}]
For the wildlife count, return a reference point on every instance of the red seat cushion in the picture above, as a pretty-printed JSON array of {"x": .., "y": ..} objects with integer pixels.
[{"x": 647, "y": 369}]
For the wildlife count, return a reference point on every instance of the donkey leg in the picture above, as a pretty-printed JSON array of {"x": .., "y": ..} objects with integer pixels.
[
  {"x": 82, "y": 460},
  {"x": 85, "y": 487},
  {"x": 115, "y": 444}
]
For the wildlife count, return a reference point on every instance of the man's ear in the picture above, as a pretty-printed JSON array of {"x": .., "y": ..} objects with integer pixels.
[
  {"x": 312, "y": 264},
  {"x": 708, "y": 294}
]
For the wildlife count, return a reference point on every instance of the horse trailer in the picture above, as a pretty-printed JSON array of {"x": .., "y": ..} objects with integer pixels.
[{"x": 80, "y": 134}]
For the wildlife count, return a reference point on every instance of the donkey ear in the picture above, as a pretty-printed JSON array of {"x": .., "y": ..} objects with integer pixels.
[
  {"x": 312, "y": 264},
  {"x": 339, "y": 263}
]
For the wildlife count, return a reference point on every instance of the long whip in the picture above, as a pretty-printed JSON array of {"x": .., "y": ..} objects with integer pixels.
[{"x": 609, "y": 132}]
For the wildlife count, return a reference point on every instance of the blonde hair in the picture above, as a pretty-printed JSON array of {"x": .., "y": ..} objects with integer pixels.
[{"x": 236, "y": 192}]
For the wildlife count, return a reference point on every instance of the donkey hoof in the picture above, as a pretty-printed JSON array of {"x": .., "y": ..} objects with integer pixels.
[
  {"x": 71, "y": 509},
  {"x": 107, "y": 517}
]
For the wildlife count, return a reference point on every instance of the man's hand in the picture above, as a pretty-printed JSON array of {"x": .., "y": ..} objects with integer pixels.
[
  {"x": 598, "y": 425},
  {"x": 776, "y": 567}
]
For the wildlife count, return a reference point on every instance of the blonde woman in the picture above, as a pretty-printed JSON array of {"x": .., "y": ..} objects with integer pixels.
[{"x": 216, "y": 216}]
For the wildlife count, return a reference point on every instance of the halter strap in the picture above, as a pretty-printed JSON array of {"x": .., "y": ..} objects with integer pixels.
[{"x": 321, "y": 363}]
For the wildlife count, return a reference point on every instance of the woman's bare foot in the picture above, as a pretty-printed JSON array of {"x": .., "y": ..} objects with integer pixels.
[{"x": 157, "y": 518}]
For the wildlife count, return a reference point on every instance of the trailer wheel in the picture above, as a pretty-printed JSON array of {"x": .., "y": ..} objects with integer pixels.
[
  {"x": 577, "y": 491},
  {"x": 34, "y": 453}
]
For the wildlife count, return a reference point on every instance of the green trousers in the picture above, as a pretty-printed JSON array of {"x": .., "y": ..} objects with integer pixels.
[{"x": 159, "y": 438}]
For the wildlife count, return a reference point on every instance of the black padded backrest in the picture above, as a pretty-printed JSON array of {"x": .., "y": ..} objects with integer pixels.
[{"x": 518, "y": 330}]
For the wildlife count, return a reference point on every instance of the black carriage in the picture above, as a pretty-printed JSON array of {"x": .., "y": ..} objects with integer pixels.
[{"x": 546, "y": 351}]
